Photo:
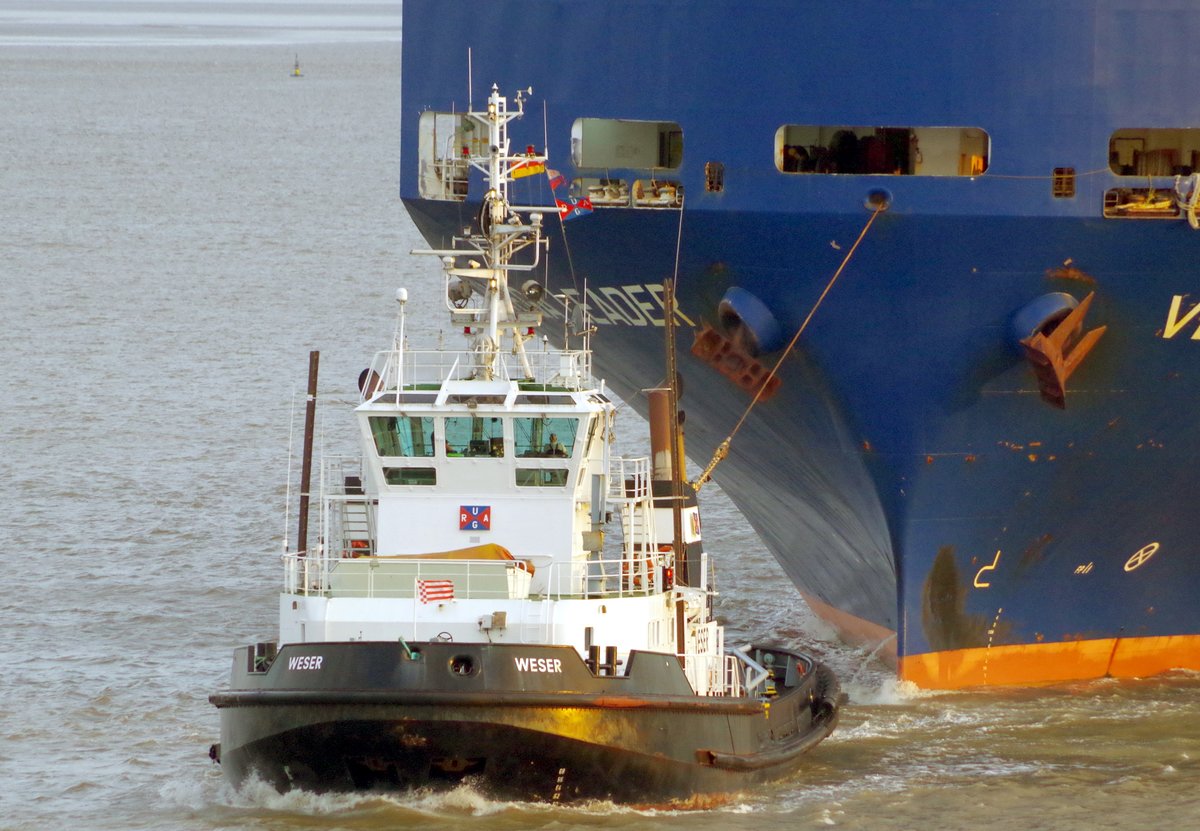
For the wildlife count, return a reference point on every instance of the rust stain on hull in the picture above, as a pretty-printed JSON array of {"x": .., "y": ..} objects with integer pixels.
[{"x": 734, "y": 362}]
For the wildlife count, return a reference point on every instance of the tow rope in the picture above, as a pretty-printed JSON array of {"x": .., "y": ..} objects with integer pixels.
[{"x": 722, "y": 450}]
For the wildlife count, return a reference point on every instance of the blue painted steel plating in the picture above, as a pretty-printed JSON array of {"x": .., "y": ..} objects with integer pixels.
[{"x": 908, "y": 443}]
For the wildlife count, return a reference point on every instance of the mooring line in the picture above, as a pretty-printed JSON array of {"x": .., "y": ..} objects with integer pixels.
[{"x": 723, "y": 449}]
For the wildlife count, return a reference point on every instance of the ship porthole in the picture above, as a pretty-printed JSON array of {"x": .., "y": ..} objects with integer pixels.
[{"x": 462, "y": 665}]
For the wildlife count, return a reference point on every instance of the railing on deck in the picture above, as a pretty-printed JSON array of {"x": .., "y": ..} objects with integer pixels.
[
  {"x": 715, "y": 675},
  {"x": 615, "y": 577},
  {"x": 629, "y": 491},
  {"x": 605, "y": 577},
  {"x": 347, "y": 531},
  {"x": 347, "y": 523},
  {"x": 629, "y": 478},
  {"x": 407, "y": 578},
  {"x": 400, "y": 369}
]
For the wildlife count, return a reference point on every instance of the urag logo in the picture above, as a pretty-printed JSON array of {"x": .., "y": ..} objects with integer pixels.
[{"x": 475, "y": 518}]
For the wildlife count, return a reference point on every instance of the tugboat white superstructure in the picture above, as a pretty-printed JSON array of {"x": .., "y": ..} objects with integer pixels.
[{"x": 494, "y": 596}]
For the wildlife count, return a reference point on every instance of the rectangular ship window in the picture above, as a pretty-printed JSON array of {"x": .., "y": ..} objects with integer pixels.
[
  {"x": 443, "y": 142},
  {"x": 893, "y": 151},
  {"x": 616, "y": 143},
  {"x": 474, "y": 436},
  {"x": 545, "y": 437},
  {"x": 1064, "y": 183},
  {"x": 541, "y": 477},
  {"x": 402, "y": 435},
  {"x": 1154, "y": 151},
  {"x": 410, "y": 475}
]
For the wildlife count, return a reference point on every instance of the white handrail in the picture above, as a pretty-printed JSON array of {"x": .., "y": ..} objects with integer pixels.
[{"x": 569, "y": 370}]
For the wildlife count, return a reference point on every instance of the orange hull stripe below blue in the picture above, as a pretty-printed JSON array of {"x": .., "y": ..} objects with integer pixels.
[{"x": 1043, "y": 663}]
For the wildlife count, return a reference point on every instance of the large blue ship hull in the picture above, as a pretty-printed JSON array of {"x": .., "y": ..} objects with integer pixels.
[{"x": 908, "y": 474}]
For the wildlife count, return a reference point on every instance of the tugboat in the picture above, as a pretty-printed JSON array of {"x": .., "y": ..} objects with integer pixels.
[{"x": 496, "y": 599}]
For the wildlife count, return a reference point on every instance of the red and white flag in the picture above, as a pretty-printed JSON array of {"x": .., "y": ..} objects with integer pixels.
[{"x": 432, "y": 591}]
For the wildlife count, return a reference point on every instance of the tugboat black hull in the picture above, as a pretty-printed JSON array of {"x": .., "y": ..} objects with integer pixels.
[{"x": 525, "y": 722}]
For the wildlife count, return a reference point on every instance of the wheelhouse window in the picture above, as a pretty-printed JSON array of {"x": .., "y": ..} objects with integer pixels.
[
  {"x": 1157, "y": 151},
  {"x": 474, "y": 436},
  {"x": 614, "y": 142},
  {"x": 893, "y": 151},
  {"x": 402, "y": 435},
  {"x": 443, "y": 142},
  {"x": 410, "y": 475},
  {"x": 541, "y": 477},
  {"x": 545, "y": 437}
]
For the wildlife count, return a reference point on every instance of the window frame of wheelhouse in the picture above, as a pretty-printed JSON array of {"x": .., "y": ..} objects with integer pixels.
[{"x": 404, "y": 436}]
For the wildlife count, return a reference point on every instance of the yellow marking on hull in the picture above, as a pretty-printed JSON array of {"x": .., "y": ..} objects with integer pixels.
[
  {"x": 981, "y": 584},
  {"x": 1141, "y": 556}
]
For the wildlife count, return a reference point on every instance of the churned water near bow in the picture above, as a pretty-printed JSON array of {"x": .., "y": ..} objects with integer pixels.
[{"x": 182, "y": 221}]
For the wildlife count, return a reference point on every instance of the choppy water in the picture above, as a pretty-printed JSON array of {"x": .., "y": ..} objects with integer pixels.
[{"x": 180, "y": 223}]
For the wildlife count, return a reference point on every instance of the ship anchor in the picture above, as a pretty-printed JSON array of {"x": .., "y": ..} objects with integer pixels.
[{"x": 1056, "y": 355}]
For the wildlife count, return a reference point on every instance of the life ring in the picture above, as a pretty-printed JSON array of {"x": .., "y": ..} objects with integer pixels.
[{"x": 634, "y": 582}]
